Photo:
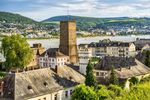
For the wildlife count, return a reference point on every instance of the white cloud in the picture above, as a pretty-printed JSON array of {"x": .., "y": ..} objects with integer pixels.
[{"x": 96, "y": 8}]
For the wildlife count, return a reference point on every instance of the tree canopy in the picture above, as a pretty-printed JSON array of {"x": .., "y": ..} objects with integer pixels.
[
  {"x": 147, "y": 58},
  {"x": 113, "y": 77},
  {"x": 90, "y": 78},
  {"x": 83, "y": 92},
  {"x": 16, "y": 51}
]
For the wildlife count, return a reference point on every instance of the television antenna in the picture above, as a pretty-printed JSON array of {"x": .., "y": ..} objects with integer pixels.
[{"x": 68, "y": 11}]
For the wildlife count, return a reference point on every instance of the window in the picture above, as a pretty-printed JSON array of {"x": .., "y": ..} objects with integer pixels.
[
  {"x": 66, "y": 94},
  {"x": 55, "y": 98},
  {"x": 97, "y": 73},
  {"x": 71, "y": 92}
]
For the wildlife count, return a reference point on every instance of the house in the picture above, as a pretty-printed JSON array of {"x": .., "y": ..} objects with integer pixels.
[
  {"x": 112, "y": 48},
  {"x": 52, "y": 58},
  {"x": 125, "y": 68},
  {"x": 41, "y": 84},
  {"x": 142, "y": 44}
]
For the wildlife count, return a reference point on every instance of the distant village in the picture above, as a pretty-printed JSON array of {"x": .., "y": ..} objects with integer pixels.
[
  {"x": 48, "y": 31},
  {"x": 54, "y": 73}
]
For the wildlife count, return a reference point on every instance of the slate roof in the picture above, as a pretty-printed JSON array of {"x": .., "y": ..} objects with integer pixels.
[
  {"x": 137, "y": 70},
  {"x": 132, "y": 68},
  {"x": 110, "y": 44},
  {"x": 52, "y": 52},
  {"x": 29, "y": 84},
  {"x": 117, "y": 62}
]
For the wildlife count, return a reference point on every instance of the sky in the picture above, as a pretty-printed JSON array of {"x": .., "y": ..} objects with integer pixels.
[{"x": 43, "y": 9}]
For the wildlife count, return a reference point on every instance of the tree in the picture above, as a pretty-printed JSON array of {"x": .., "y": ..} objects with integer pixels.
[
  {"x": 113, "y": 77},
  {"x": 102, "y": 92},
  {"x": 83, "y": 92},
  {"x": 90, "y": 78},
  {"x": 134, "y": 80},
  {"x": 16, "y": 51},
  {"x": 147, "y": 59},
  {"x": 116, "y": 89}
]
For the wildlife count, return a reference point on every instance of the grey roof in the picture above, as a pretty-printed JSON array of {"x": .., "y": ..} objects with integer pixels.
[
  {"x": 29, "y": 84},
  {"x": 110, "y": 44},
  {"x": 132, "y": 68},
  {"x": 53, "y": 52},
  {"x": 117, "y": 62},
  {"x": 137, "y": 70}
]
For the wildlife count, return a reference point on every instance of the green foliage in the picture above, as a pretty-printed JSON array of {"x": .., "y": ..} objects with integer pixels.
[
  {"x": 134, "y": 80},
  {"x": 90, "y": 78},
  {"x": 146, "y": 79},
  {"x": 147, "y": 58},
  {"x": 113, "y": 92},
  {"x": 140, "y": 92},
  {"x": 95, "y": 59},
  {"x": 16, "y": 51},
  {"x": 85, "y": 23},
  {"x": 102, "y": 92},
  {"x": 15, "y": 18},
  {"x": 2, "y": 74},
  {"x": 83, "y": 92},
  {"x": 116, "y": 89},
  {"x": 113, "y": 77}
]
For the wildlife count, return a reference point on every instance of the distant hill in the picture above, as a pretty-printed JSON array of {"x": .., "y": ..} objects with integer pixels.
[
  {"x": 15, "y": 18},
  {"x": 84, "y": 23}
]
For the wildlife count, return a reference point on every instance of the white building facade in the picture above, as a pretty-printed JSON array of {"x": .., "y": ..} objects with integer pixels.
[
  {"x": 52, "y": 59},
  {"x": 84, "y": 53}
]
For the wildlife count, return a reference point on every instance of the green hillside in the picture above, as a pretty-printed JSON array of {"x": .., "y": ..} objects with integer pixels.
[
  {"x": 15, "y": 18},
  {"x": 84, "y": 23}
]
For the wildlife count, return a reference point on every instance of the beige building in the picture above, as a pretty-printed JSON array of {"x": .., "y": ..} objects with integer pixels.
[
  {"x": 37, "y": 50},
  {"x": 112, "y": 48},
  {"x": 41, "y": 84}
]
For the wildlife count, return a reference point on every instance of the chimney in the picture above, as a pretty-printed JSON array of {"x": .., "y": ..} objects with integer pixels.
[
  {"x": 56, "y": 69},
  {"x": 129, "y": 67}
]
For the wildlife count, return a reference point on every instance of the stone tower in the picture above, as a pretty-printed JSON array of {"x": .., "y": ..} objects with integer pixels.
[{"x": 68, "y": 45}]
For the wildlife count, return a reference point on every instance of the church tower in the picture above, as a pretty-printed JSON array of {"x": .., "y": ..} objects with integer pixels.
[{"x": 68, "y": 43}]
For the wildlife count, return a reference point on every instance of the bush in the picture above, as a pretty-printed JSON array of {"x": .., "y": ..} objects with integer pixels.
[
  {"x": 134, "y": 80},
  {"x": 102, "y": 92},
  {"x": 83, "y": 92},
  {"x": 116, "y": 89}
]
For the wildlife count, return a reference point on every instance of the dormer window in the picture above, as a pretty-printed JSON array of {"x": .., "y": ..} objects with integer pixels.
[
  {"x": 45, "y": 84},
  {"x": 29, "y": 87}
]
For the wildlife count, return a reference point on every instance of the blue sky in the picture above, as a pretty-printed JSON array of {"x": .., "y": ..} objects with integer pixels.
[{"x": 43, "y": 9}]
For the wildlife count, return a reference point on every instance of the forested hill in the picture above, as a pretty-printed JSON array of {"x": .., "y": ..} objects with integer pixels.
[
  {"x": 84, "y": 23},
  {"x": 15, "y": 18}
]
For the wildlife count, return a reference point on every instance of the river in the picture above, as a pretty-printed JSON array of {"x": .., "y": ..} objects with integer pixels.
[{"x": 54, "y": 43}]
